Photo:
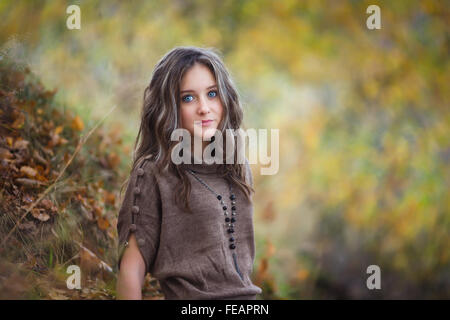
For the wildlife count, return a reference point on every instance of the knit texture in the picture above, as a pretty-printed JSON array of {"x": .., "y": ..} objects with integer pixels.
[{"x": 189, "y": 254}]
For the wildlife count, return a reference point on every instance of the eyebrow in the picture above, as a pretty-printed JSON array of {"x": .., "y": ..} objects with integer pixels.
[{"x": 210, "y": 87}]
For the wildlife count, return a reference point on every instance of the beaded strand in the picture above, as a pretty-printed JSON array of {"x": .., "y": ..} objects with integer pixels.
[{"x": 229, "y": 222}]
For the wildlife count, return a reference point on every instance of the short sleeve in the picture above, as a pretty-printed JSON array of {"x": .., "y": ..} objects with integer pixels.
[{"x": 140, "y": 213}]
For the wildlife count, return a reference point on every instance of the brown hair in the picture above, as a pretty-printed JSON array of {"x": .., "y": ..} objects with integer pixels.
[{"x": 160, "y": 116}]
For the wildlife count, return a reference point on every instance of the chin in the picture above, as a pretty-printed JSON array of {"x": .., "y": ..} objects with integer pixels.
[{"x": 209, "y": 132}]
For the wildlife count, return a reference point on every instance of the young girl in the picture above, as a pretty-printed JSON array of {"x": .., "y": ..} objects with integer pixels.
[{"x": 189, "y": 225}]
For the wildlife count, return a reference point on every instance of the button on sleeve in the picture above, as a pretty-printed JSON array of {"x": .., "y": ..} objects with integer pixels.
[{"x": 140, "y": 213}]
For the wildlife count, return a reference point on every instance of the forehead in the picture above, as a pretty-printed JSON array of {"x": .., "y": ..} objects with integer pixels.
[{"x": 198, "y": 77}]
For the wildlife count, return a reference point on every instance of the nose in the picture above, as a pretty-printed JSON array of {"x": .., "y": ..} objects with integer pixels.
[{"x": 203, "y": 106}]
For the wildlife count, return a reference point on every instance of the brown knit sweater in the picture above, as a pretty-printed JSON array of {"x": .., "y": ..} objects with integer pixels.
[{"x": 190, "y": 255}]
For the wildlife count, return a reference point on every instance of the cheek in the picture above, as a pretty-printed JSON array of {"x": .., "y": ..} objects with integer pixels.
[
  {"x": 219, "y": 108},
  {"x": 185, "y": 118}
]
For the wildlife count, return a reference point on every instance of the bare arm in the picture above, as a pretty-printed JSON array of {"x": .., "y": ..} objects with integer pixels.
[{"x": 132, "y": 272}]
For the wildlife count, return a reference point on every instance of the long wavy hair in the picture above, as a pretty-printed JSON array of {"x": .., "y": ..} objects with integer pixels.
[{"x": 160, "y": 116}]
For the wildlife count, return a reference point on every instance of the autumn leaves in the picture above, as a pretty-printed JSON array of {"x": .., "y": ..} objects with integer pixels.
[{"x": 58, "y": 188}]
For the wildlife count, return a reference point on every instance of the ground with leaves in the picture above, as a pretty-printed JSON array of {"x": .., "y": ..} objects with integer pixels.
[{"x": 55, "y": 211}]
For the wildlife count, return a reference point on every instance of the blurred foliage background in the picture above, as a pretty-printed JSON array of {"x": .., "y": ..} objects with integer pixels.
[{"x": 363, "y": 117}]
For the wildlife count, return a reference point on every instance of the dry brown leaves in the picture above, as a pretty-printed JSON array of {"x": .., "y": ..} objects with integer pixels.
[{"x": 33, "y": 136}]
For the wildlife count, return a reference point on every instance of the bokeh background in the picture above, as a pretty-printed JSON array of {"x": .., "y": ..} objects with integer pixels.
[{"x": 363, "y": 118}]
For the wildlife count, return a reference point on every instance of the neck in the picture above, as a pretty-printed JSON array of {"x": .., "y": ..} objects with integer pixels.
[
  {"x": 201, "y": 167},
  {"x": 204, "y": 145}
]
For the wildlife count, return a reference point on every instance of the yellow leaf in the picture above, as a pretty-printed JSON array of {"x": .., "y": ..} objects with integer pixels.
[
  {"x": 19, "y": 121},
  {"x": 103, "y": 224},
  {"x": 58, "y": 129},
  {"x": 302, "y": 274},
  {"x": 77, "y": 123},
  {"x": 30, "y": 172},
  {"x": 40, "y": 214}
]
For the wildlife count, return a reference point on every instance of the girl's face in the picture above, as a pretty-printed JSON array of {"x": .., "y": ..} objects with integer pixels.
[{"x": 200, "y": 105}]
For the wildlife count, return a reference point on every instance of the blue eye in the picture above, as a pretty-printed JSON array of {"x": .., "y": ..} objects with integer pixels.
[
  {"x": 187, "y": 96},
  {"x": 213, "y": 92}
]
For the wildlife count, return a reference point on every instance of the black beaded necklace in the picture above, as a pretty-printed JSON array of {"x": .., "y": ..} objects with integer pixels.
[{"x": 229, "y": 222}]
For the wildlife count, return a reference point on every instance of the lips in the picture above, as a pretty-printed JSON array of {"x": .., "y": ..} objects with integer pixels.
[{"x": 206, "y": 123}]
